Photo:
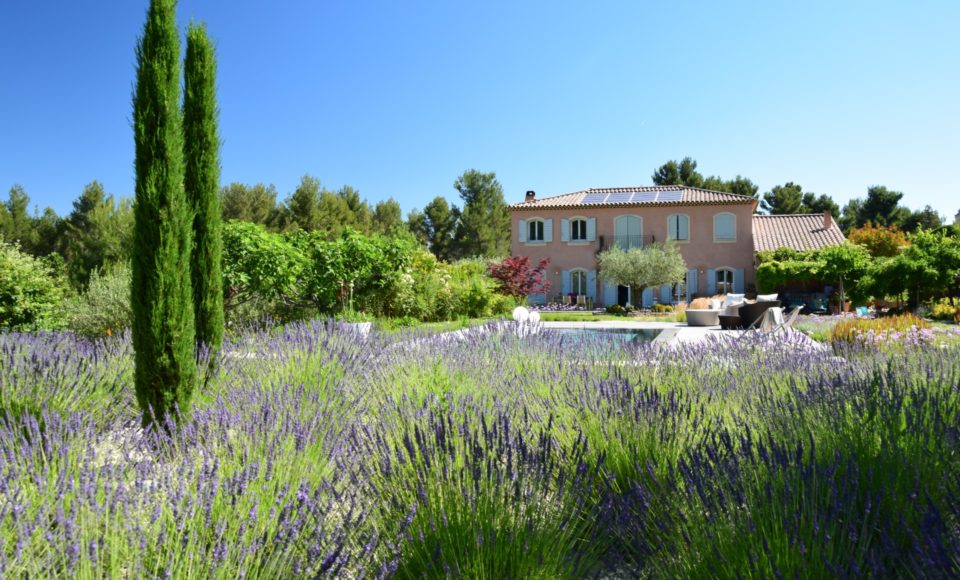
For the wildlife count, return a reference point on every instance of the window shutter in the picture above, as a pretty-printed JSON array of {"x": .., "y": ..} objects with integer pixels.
[
  {"x": 548, "y": 231},
  {"x": 692, "y": 286},
  {"x": 683, "y": 227},
  {"x": 564, "y": 230},
  {"x": 609, "y": 294},
  {"x": 738, "y": 280},
  {"x": 523, "y": 231},
  {"x": 666, "y": 294},
  {"x": 591, "y": 229},
  {"x": 592, "y": 284},
  {"x": 711, "y": 282},
  {"x": 566, "y": 281},
  {"x": 646, "y": 298},
  {"x": 673, "y": 230}
]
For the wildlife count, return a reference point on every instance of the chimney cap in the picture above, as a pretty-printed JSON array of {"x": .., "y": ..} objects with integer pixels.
[{"x": 531, "y": 195}]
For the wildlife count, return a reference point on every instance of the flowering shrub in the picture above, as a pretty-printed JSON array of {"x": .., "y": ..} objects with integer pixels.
[
  {"x": 517, "y": 277},
  {"x": 901, "y": 329}
]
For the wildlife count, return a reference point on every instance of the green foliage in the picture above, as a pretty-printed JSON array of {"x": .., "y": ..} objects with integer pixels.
[
  {"x": 641, "y": 268},
  {"x": 783, "y": 199},
  {"x": 683, "y": 173},
  {"x": 484, "y": 226},
  {"x": 162, "y": 298},
  {"x": 845, "y": 263},
  {"x": 387, "y": 217},
  {"x": 256, "y": 203},
  {"x": 98, "y": 231},
  {"x": 260, "y": 268},
  {"x": 924, "y": 219},
  {"x": 441, "y": 221},
  {"x": 30, "y": 291},
  {"x": 104, "y": 308},
  {"x": 201, "y": 182},
  {"x": 615, "y": 309}
]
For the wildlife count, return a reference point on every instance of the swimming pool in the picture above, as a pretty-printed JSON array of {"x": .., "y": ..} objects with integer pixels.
[{"x": 625, "y": 336}]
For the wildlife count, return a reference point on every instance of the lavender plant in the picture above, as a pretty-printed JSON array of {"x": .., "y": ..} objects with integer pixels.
[{"x": 319, "y": 450}]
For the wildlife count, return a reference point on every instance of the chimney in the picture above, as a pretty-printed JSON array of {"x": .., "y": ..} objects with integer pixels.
[
  {"x": 827, "y": 219},
  {"x": 531, "y": 196}
]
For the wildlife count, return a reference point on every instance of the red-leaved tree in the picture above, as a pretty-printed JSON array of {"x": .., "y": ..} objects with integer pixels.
[{"x": 518, "y": 278}]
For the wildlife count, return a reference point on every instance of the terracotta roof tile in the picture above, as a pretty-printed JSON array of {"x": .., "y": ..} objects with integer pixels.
[
  {"x": 796, "y": 231},
  {"x": 688, "y": 196}
]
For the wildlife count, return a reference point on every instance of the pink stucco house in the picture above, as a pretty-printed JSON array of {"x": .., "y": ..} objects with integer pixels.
[{"x": 716, "y": 233}]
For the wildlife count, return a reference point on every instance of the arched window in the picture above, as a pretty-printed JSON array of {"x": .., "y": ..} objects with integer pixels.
[
  {"x": 724, "y": 227},
  {"x": 628, "y": 231},
  {"x": 724, "y": 280},
  {"x": 678, "y": 227},
  {"x": 578, "y": 282},
  {"x": 535, "y": 230}
]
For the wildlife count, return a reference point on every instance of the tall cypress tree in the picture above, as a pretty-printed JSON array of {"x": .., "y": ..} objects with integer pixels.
[
  {"x": 202, "y": 183},
  {"x": 161, "y": 296}
]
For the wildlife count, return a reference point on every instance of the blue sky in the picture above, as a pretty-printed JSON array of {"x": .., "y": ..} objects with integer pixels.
[{"x": 399, "y": 98}]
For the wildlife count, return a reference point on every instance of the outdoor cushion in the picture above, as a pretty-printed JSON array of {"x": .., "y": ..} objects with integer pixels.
[
  {"x": 714, "y": 304},
  {"x": 732, "y": 310},
  {"x": 766, "y": 297},
  {"x": 732, "y": 300}
]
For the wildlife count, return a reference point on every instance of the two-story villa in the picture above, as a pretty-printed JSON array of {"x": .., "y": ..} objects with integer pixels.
[{"x": 713, "y": 230}]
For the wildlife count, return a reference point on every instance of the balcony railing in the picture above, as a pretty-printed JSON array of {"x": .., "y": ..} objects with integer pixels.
[{"x": 625, "y": 242}]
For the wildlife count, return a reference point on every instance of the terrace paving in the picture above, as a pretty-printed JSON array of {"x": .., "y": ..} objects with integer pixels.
[{"x": 673, "y": 332}]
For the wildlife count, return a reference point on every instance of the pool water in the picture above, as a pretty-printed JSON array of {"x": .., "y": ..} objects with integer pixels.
[{"x": 624, "y": 336}]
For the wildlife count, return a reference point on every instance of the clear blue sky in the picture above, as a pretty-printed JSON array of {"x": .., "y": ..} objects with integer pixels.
[{"x": 399, "y": 98}]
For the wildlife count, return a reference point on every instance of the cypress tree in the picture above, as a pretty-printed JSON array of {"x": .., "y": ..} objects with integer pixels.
[
  {"x": 201, "y": 181},
  {"x": 161, "y": 296}
]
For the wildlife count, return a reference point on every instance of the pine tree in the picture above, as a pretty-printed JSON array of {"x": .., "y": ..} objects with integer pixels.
[
  {"x": 201, "y": 181},
  {"x": 161, "y": 296}
]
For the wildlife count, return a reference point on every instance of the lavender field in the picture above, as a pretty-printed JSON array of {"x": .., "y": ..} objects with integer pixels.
[{"x": 322, "y": 452}]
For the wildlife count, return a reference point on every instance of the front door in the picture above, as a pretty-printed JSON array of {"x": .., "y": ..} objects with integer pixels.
[{"x": 623, "y": 295}]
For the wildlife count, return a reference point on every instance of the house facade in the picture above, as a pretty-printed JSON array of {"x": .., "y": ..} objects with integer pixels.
[{"x": 714, "y": 232}]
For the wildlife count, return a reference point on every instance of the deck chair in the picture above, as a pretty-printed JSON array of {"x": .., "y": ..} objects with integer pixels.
[{"x": 773, "y": 320}]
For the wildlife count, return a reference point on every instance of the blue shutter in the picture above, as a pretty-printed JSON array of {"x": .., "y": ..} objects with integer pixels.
[
  {"x": 683, "y": 225},
  {"x": 523, "y": 231},
  {"x": 591, "y": 229},
  {"x": 692, "y": 286},
  {"x": 647, "y": 297},
  {"x": 738, "y": 281},
  {"x": 564, "y": 230},
  {"x": 566, "y": 281},
  {"x": 548, "y": 231},
  {"x": 592, "y": 285},
  {"x": 609, "y": 294},
  {"x": 711, "y": 282},
  {"x": 666, "y": 294}
]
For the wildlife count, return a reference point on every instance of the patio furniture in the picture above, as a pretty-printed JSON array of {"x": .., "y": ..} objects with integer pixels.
[
  {"x": 729, "y": 321},
  {"x": 773, "y": 320},
  {"x": 751, "y": 314},
  {"x": 702, "y": 317}
]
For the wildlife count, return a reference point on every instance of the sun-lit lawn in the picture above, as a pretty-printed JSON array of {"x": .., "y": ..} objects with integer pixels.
[{"x": 315, "y": 450}]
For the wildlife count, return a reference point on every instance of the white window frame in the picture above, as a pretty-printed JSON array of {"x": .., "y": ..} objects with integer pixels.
[
  {"x": 718, "y": 239},
  {"x": 727, "y": 286},
  {"x": 530, "y": 229},
  {"x": 672, "y": 233},
  {"x": 573, "y": 229},
  {"x": 582, "y": 275}
]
